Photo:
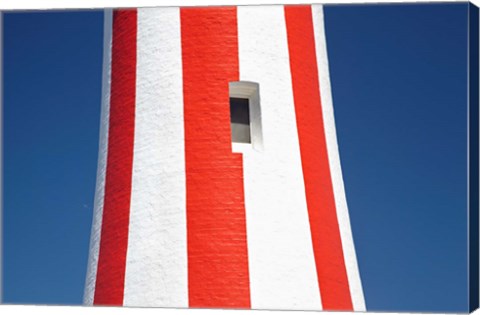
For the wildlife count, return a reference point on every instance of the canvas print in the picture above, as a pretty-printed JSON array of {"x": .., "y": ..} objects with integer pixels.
[{"x": 277, "y": 157}]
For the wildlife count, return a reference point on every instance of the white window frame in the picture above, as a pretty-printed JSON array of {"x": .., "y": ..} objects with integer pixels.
[{"x": 249, "y": 90}]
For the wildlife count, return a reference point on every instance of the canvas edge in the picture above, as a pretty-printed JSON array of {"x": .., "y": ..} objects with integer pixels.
[{"x": 473, "y": 156}]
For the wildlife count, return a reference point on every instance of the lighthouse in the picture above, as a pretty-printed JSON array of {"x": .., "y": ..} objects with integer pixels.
[{"x": 219, "y": 181}]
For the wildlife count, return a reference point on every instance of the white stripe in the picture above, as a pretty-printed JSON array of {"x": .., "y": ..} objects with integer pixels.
[
  {"x": 353, "y": 274},
  {"x": 156, "y": 270},
  {"x": 102, "y": 164},
  {"x": 281, "y": 260}
]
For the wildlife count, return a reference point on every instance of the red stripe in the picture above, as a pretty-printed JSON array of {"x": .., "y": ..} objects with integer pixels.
[
  {"x": 327, "y": 244},
  {"x": 116, "y": 210},
  {"x": 216, "y": 233}
]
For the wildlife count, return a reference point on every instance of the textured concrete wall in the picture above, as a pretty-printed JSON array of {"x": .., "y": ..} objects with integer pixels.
[
  {"x": 183, "y": 217},
  {"x": 102, "y": 165},
  {"x": 282, "y": 265},
  {"x": 156, "y": 251},
  {"x": 348, "y": 245},
  {"x": 217, "y": 246}
]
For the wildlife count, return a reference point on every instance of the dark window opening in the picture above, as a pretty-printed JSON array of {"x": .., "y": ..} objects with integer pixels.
[{"x": 240, "y": 119}]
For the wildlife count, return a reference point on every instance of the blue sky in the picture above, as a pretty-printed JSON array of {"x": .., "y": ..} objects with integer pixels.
[{"x": 399, "y": 83}]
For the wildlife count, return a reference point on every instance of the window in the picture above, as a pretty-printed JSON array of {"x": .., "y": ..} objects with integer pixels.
[
  {"x": 245, "y": 115},
  {"x": 240, "y": 120}
]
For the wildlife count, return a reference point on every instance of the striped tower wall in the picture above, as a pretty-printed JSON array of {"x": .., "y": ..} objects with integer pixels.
[{"x": 185, "y": 218}]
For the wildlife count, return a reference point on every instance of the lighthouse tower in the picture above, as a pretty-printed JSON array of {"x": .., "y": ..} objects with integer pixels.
[{"x": 219, "y": 181}]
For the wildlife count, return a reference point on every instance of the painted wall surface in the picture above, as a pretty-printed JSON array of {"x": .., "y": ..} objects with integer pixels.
[
  {"x": 185, "y": 218},
  {"x": 399, "y": 80}
]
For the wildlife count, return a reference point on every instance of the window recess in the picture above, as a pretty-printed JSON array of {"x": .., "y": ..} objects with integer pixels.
[{"x": 245, "y": 114}]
